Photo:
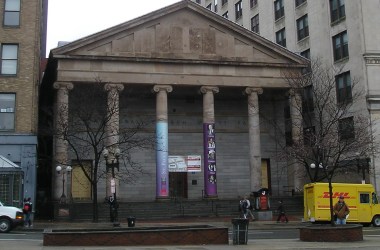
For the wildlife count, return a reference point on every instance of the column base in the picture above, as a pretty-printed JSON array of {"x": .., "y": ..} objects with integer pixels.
[
  {"x": 211, "y": 197},
  {"x": 162, "y": 199}
]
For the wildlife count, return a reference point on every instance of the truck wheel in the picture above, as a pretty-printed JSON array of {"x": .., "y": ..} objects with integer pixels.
[
  {"x": 376, "y": 221},
  {"x": 5, "y": 225}
]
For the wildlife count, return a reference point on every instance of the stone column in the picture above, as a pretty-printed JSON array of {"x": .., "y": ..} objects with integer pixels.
[
  {"x": 112, "y": 128},
  {"x": 209, "y": 143},
  {"x": 297, "y": 171},
  {"x": 254, "y": 137},
  {"x": 60, "y": 144},
  {"x": 162, "y": 147}
]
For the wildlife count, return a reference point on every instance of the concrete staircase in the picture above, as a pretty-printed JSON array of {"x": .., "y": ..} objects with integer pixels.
[{"x": 179, "y": 208}]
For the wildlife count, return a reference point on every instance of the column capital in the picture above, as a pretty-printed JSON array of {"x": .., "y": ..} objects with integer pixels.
[
  {"x": 111, "y": 86},
  {"x": 205, "y": 89},
  {"x": 250, "y": 90},
  {"x": 293, "y": 92},
  {"x": 158, "y": 88},
  {"x": 63, "y": 85}
]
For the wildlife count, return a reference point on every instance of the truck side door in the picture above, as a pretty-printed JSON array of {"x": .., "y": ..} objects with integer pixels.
[{"x": 365, "y": 207}]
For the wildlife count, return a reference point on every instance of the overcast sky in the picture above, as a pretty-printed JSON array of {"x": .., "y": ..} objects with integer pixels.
[{"x": 69, "y": 20}]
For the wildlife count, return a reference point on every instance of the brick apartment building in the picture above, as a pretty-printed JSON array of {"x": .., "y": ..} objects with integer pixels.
[{"x": 22, "y": 42}]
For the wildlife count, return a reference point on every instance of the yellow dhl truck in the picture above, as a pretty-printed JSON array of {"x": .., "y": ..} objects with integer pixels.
[{"x": 360, "y": 198}]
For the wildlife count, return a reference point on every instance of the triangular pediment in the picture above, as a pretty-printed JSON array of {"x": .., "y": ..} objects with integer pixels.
[{"x": 182, "y": 31}]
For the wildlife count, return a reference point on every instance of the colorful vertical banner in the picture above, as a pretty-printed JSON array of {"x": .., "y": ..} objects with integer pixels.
[
  {"x": 162, "y": 175},
  {"x": 209, "y": 159}
]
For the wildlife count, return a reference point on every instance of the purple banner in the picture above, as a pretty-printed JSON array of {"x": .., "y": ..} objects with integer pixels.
[{"x": 209, "y": 159}]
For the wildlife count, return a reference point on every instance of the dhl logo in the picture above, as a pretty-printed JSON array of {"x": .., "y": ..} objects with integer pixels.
[{"x": 336, "y": 195}]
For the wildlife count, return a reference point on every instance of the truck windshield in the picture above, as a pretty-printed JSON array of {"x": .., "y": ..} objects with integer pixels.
[{"x": 374, "y": 199}]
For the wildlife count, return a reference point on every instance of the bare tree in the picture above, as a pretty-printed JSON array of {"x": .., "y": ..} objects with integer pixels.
[
  {"x": 335, "y": 129},
  {"x": 89, "y": 130}
]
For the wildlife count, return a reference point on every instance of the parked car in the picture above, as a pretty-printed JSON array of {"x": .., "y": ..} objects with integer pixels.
[{"x": 10, "y": 217}]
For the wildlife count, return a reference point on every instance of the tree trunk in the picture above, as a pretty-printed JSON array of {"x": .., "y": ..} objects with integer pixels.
[
  {"x": 331, "y": 204},
  {"x": 95, "y": 216}
]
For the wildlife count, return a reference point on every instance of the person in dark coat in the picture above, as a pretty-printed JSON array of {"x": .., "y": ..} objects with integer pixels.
[
  {"x": 27, "y": 210},
  {"x": 281, "y": 212},
  {"x": 341, "y": 211}
]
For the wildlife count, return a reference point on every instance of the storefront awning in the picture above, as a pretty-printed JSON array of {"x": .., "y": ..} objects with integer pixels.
[{"x": 6, "y": 164}]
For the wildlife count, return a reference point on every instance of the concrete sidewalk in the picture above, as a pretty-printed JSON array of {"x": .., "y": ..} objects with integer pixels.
[
  {"x": 294, "y": 223},
  {"x": 40, "y": 225}
]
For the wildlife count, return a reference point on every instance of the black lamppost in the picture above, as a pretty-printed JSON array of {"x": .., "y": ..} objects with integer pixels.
[
  {"x": 63, "y": 170},
  {"x": 112, "y": 162}
]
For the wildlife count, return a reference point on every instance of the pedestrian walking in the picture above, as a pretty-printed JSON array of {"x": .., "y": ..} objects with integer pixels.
[
  {"x": 245, "y": 208},
  {"x": 281, "y": 212}
]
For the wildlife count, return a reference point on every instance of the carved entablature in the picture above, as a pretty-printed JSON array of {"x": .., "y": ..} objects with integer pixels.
[{"x": 372, "y": 59}]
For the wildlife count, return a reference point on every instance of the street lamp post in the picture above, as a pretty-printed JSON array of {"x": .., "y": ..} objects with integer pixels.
[
  {"x": 63, "y": 170},
  {"x": 325, "y": 168},
  {"x": 112, "y": 162}
]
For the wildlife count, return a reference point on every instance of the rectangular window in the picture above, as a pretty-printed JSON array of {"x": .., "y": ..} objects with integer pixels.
[
  {"x": 337, "y": 10},
  {"x": 343, "y": 87},
  {"x": 238, "y": 10},
  {"x": 252, "y": 3},
  {"x": 280, "y": 37},
  {"x": 12, "y": 13},
  {"x": 7, "y": 111},
  {"x": 340, "y": 45},
  {"x": 288, "y": 138},
  {"x": 279, "y": 9},
  {"x": 288, "y": 124},
  {"x": 216, "y": 5},
  {"x": 299, "y": 2},
  {"x": 225, "y": 15},
  {"x": 255, "y": 24},
  {"x": 199, "y": 1},
  {"x": 307, "y": 100},
  {"x": 364, "y": 198},
  {"x": 306, "y": 53},
  {"x": 302, "y": 27},
  {"x": 209, "y": 6},
  {"x": 224, "y": 2},
  {"x": 346, "y": 128},
  {"x": 309, "y": 136},
  {"x": 9, "y": 56}
]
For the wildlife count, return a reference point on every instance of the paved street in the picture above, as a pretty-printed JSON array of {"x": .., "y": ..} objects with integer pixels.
[{"x": 262, "y": 235}]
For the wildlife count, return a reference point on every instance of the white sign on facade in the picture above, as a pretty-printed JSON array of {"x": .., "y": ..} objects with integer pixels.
[{"x": 189, "y": 163}]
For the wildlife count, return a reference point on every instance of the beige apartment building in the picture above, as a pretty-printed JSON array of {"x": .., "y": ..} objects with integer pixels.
[
  {"x": 20, "y": 52},
  {"x": 341, "y": 33}
]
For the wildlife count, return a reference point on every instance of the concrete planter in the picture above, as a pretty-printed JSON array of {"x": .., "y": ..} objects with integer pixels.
[
  {"x": 148, "y": 236},
  {"x": 328, "y": 233}
]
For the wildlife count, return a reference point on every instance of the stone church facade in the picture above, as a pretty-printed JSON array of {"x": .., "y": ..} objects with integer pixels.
[{"x": 207, "y": 84}]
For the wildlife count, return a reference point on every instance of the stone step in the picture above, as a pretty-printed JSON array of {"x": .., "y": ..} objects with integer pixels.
[{"x": 183, "y": 208}]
